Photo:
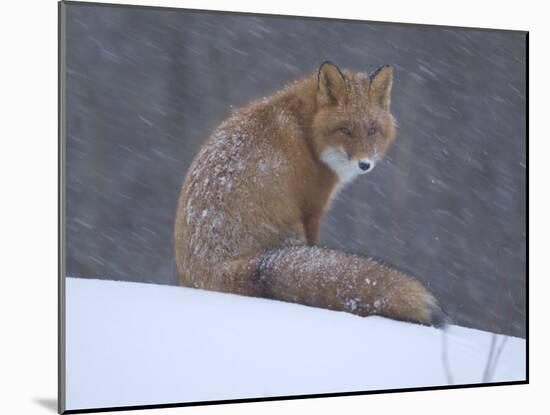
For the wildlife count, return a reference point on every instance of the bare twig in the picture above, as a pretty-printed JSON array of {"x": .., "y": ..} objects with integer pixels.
[
  {"x": 445, "y": 358},
  {"x": 497, "y": 356},
  {"x": 487, "y": 371}
]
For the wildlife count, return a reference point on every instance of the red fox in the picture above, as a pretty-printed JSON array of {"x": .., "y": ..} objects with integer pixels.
[{"x": 250, "y": 207}]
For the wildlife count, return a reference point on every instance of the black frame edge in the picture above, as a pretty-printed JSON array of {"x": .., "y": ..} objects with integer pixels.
[
  {"x": 291, "y": 397},
  {"x": 527, "y": 207},
  {"x": 61, "y": 375}
]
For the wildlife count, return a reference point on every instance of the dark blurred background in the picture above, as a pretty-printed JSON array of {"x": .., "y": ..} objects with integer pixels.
[{"x": 145, "y": 87}]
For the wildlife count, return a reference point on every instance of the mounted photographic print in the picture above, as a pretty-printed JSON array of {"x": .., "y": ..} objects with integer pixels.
[{"x": 258, "y": 207}]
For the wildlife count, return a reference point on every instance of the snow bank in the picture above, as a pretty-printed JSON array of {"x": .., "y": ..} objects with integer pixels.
[{"x": 139, "y": 344}]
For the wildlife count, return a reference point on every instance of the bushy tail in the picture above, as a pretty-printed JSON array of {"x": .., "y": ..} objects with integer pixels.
[{"x": 336, "y": 280}]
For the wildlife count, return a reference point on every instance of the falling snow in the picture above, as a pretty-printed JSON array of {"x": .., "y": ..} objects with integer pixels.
[{"x": 145, "y": 88}]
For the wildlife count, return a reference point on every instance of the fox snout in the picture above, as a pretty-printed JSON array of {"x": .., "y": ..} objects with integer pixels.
[
  {"x": 345, "y": 167},
  {"x": 365, "y": 165}
]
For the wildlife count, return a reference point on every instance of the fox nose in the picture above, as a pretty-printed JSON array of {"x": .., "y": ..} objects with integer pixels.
[{"x": 365, "y": 165}]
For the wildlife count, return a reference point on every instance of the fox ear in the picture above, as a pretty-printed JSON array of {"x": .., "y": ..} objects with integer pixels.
[
  {"x": 380, "y": 86},
  {"x": 331, "y": 84}
]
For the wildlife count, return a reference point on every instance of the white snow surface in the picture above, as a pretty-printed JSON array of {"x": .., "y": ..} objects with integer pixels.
[{"x": 141, "y": 344}]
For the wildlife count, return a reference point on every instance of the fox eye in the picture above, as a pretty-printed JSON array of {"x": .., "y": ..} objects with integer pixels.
[
  {"x": 345, "y": 130},
  {"x": 371, "y": 131}
]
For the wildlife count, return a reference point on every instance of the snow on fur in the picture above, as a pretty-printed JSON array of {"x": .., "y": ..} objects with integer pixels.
[
  {"x": 140, "y": 344},
  {"x": 216, "y": 172}
]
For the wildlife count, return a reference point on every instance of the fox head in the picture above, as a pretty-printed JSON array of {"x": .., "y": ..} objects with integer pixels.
[{"x": 353, "y": 125}]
